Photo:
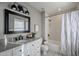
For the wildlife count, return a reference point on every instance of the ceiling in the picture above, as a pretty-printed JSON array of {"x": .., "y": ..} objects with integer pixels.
[{"x": 53, "y": 8}]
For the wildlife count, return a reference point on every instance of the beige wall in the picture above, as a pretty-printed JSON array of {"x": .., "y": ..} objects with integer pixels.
[
  {"x": 55, "y": 28},
  {"x": 34, "y": 14}
]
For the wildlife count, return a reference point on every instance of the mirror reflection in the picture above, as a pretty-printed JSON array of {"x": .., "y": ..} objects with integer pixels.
[{"x": 17, "y": 23}]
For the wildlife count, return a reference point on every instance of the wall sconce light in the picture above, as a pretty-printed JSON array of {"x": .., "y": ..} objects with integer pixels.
[
  {"x": 18, "y": 7},
  {"x": 27, "y": 12},
  {"x": 14, "y": 6}
]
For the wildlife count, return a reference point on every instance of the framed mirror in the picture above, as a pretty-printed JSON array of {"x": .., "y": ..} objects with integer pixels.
[{"x": 15, "y": 22}]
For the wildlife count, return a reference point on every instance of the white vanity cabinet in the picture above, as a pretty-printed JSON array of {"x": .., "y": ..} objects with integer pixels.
[
  {"x": 6, "y": 53},
  {"x": 33, "y": 48}
]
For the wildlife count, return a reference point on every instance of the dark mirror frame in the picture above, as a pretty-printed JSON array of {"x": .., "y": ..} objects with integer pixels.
[{"x": 6, "y": 22}]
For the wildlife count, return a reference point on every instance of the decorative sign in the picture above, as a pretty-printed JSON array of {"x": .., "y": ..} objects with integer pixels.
[{"x": 36, "y": 28}]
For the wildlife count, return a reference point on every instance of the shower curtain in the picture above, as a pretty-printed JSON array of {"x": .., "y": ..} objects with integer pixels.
[{"x": 70, "y": 34}]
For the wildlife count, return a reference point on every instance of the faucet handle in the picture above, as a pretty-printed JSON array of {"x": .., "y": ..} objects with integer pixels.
[
  {"x": 20, "y": 37},
  {"x": 16, "y": 38}
]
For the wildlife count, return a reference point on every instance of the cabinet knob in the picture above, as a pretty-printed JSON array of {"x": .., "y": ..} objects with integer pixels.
[
  {"x": 28, "y": 55},
  {"x": 37, "y": 47},
  {"x": 20, "y": 50},
  {"x": 32, "y": 44}
]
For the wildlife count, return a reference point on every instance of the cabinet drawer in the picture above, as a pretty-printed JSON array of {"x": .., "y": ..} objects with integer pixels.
[
  {"x": 36, "y": 43},
  {"x": 35, "y": 52}
]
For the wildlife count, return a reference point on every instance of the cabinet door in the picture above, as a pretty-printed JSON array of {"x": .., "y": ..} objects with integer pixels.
[
  {"x": 6, "y": 53},
  {"x": 17, "y": 51},
  {"x": 32, "y": 48},
  {"x": 36, "y": 47},
  {"x": 27, "y": 50}
]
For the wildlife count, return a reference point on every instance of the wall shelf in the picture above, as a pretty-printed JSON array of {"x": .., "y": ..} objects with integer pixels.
[{"x": 18, "y": 12}]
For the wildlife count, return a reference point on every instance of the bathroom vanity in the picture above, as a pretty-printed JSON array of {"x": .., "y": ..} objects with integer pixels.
[
  {"x": 16, "y": 22},
  {"x": 31, "y": 47}
]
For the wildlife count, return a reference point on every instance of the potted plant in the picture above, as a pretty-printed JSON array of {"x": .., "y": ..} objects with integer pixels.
[{"x": 33, "y": 34}]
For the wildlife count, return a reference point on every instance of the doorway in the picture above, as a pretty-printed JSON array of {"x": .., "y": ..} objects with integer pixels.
[{"x": 54, "y": 34}]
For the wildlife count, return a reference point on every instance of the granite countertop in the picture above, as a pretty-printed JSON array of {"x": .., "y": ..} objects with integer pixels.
[{"x": 4, "y": 47}]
